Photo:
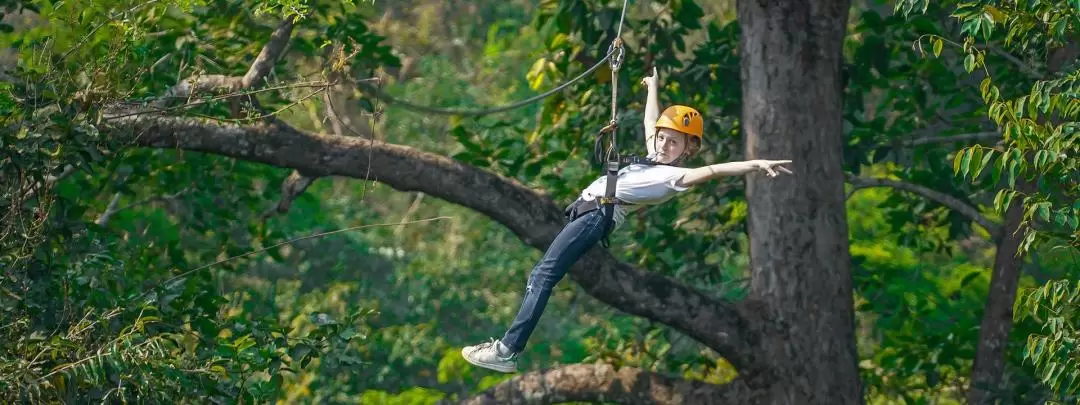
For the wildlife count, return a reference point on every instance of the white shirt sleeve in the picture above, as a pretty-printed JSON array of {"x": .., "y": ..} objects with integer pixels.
[{"x": 673, "y": 178}]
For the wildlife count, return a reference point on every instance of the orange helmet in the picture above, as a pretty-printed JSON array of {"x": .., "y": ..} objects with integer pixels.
[{"x": 683, "y": 119}]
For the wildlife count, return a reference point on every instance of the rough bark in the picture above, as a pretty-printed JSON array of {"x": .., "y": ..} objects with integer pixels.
[
  {"x": 604, "y": 383},
  {"x": 720, "y": 325},
  {"x": 997, "y": 319},
  {"x": 792, "y": 103}
]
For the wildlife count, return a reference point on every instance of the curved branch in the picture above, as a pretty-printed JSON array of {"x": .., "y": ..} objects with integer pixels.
[
  {"x": 269, "y": 54},
  {"x": 941, "y": 198},
  {"x": 728, "y": 328},
  {"x": 258, "y": 70},
  {"x": 975, "y": 136},
  {"x": 603, "y": 383}
]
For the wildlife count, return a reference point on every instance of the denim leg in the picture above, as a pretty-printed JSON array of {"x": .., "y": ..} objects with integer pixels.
[{"x": 574, "y": 240}]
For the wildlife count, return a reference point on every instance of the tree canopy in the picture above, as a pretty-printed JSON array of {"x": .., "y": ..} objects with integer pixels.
[{"x": 264, "y": 201}]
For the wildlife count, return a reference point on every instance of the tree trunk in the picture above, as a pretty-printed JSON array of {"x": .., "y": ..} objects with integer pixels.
[
  {"x": 997, "y": 319},
  {"x": 792, "y": 100}
]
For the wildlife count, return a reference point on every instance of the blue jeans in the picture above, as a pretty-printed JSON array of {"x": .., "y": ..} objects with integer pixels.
[{"x": 574, "y": 240}]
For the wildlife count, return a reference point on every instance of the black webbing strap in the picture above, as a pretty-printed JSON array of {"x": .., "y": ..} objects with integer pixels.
[{"x": 607, "y": 206}]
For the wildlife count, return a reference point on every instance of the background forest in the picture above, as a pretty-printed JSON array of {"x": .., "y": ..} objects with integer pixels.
[{"x": 157, "y": 156}]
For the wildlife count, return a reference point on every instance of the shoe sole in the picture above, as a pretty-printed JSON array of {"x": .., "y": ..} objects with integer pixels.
[{"x": 489, "y": 366}]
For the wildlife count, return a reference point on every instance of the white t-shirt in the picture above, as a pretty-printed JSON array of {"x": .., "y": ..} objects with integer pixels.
[{"x": 640, "y": 185}]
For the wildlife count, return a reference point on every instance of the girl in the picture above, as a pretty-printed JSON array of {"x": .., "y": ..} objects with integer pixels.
[{"x": 670, "y": 138}]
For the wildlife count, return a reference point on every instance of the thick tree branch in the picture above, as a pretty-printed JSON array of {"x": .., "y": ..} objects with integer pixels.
[
  {"x": 723, "y": 326},
  {"x": 603, "y": 383},
  {"x": 941, "y": 198}
]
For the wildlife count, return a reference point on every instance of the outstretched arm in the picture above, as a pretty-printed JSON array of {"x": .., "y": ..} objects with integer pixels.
[
  {"x": 705, "y": 173},
  {"x": 652, "y": 110}
]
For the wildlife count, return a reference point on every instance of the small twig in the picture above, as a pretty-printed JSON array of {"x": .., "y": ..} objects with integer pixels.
[
  {"x": 977, "y": 136},
  {"x": 112, "y": 209},
  {"x": 196, "y": 103},
  {"x": 291, "y": 187},
  {"x": 1015, "y": 60},
  {"x": 109, "y": 211},
  {"x": 408, "y": 213}
]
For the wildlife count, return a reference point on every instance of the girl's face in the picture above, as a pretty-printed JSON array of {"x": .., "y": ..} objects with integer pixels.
[{"x": 670, "y": 144}]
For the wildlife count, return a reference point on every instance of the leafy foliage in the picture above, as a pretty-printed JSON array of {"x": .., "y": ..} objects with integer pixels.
[
  {"x": 1054, "y": 353},
  {"x": 1042, "y": 144},
  {"x": 92, "y": 312}
]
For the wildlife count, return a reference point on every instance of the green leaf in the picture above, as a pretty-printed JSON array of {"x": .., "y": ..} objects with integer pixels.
[
  {"x": 999, "y": 168},
  {"x": 965, "y": 162},
  {"x": 938, "y": 44},
  {"x": 957, "y": 159},
  {"x": 983, "y": 163},
  {"x": 1006, "y": 200},
  {"x": 1044, "y": 210},
  {"x": 535, "y": 76},
  {"x": 1013, "y": 171},
  {"x": 969, "y": 62},
  {"x": 976, "y": 157},
  {"x": 1060, "y": 218}
]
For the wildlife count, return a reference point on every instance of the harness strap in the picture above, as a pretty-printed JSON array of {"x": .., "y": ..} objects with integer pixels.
[
  {"x": 608, "y": 202},
  {"x": 637, "y": 160}
]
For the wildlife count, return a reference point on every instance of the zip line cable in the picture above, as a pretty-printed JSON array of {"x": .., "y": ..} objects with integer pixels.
[{"x": 462, "y": 112}]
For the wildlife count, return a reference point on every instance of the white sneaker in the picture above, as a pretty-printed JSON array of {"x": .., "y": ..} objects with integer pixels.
[{"x": 488, "y": 355}]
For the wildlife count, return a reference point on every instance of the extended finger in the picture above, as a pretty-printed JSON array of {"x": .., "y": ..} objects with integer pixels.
[{"x": 784, "y": 169}]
